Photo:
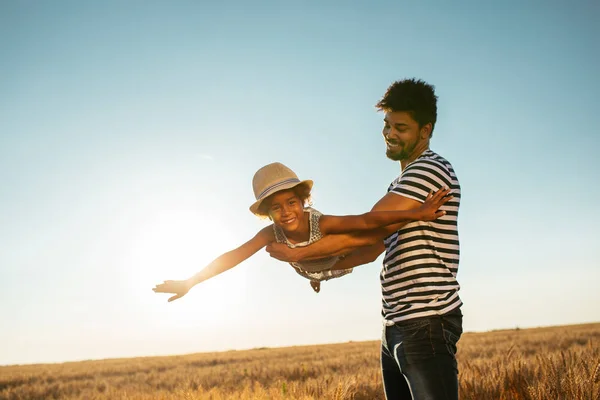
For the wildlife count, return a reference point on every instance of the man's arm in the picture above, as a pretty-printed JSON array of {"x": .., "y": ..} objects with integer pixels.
[
  {"x": 361, "y": 256},
  {"x": 332, "y": 245}
]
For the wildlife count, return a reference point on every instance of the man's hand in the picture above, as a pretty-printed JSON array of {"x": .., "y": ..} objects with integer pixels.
[
  {"x": 282, "y": 252},
  {"x": 179, "y": 287}
]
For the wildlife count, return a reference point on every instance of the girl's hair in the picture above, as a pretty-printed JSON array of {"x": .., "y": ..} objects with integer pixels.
[{"x": 301, "y": 190}]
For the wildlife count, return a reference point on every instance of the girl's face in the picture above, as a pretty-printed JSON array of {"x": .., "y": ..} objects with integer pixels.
[{"x": 286, "y": 210}]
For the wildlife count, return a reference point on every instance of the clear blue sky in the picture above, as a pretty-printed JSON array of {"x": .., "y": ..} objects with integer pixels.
[{"x": 130, "y": 132}]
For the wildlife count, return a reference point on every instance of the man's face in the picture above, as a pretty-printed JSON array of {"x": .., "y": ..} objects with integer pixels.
[{"x": 402, "y": 135}]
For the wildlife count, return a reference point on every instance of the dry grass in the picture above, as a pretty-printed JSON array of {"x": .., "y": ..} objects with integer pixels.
[{"x": 548, "y": 363}]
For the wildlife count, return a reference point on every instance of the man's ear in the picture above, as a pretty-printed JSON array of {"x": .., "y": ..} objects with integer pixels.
[{"x": 425, "y": 132}]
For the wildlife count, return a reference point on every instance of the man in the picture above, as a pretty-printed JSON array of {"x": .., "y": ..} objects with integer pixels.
[{"x": 421, "y": 306}]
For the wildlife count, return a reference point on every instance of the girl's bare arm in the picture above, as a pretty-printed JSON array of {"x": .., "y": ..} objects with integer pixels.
[
  {"x": 234, "y": 257},
  {"x": 221, "y": 264},
  {"x": 427, "y": 211}
]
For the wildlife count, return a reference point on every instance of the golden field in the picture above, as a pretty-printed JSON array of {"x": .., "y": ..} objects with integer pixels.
[{"x": 544, "y": 363}]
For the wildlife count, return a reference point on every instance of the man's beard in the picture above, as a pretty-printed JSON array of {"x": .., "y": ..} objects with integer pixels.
[{"x": 402, "y": 154}]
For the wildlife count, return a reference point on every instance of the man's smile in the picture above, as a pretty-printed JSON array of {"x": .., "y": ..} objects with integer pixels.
[{"x": 392, "y": 144}]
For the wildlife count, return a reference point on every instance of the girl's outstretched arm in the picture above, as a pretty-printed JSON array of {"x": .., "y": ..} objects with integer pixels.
[
  {"x": 427, "y": 211},
  {"x": 219, "y": 265}
]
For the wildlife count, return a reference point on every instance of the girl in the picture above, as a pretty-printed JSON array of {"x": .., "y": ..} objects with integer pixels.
[{"x": 284, "y": 199}]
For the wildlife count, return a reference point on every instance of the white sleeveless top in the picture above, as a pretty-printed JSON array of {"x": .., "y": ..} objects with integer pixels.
[{"x": 315, "y": 270}]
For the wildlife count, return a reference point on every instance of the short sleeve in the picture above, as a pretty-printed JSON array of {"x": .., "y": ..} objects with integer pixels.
[{"x": 420, "y": 178}]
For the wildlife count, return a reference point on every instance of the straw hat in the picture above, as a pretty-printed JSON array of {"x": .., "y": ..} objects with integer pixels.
[{"x": 273, "y": 178}]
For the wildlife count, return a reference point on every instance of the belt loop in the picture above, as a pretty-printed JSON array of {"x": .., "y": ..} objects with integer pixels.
[{"x": 440, "y": 319}]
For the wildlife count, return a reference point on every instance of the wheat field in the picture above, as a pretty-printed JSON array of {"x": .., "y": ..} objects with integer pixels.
[{"x": 543, "y": 363}]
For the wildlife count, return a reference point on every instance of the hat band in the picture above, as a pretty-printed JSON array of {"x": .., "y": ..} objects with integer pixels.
[{"x": 276, "y": 185}]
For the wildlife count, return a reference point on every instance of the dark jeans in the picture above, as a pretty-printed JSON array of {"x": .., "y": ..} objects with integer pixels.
[{"x": 418, "y": 358}]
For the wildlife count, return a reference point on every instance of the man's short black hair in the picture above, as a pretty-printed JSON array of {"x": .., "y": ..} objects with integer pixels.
[{"x": 416, "y": 97}]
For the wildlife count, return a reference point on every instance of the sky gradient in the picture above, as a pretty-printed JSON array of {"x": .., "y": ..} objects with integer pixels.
[{"x": 130, "y": 132}]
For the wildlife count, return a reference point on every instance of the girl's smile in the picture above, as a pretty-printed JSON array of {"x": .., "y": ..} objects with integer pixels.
[{"x": 286, "y": 210}]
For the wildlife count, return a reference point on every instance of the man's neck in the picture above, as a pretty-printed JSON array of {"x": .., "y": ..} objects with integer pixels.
[{"x": 415, "y": 154}]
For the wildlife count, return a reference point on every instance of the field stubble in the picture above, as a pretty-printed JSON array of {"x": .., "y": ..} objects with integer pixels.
[{"x": 545, "y": 363}]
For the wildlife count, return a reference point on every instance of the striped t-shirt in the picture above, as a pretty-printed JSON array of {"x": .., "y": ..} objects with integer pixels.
[{"x": 418, "y": 278}]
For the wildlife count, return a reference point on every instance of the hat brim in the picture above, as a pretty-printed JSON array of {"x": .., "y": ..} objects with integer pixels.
[{"x": 255, "y": 207}]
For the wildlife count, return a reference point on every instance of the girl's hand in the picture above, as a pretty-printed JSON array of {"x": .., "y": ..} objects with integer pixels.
[
  {"x": 428, "y": 211},
  {"x": 316, "y": 285},
  {"x": 180, "y": 288}
]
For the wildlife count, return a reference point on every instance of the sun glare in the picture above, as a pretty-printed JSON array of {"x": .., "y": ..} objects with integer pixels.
[{"x": 174, "y": 245}]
